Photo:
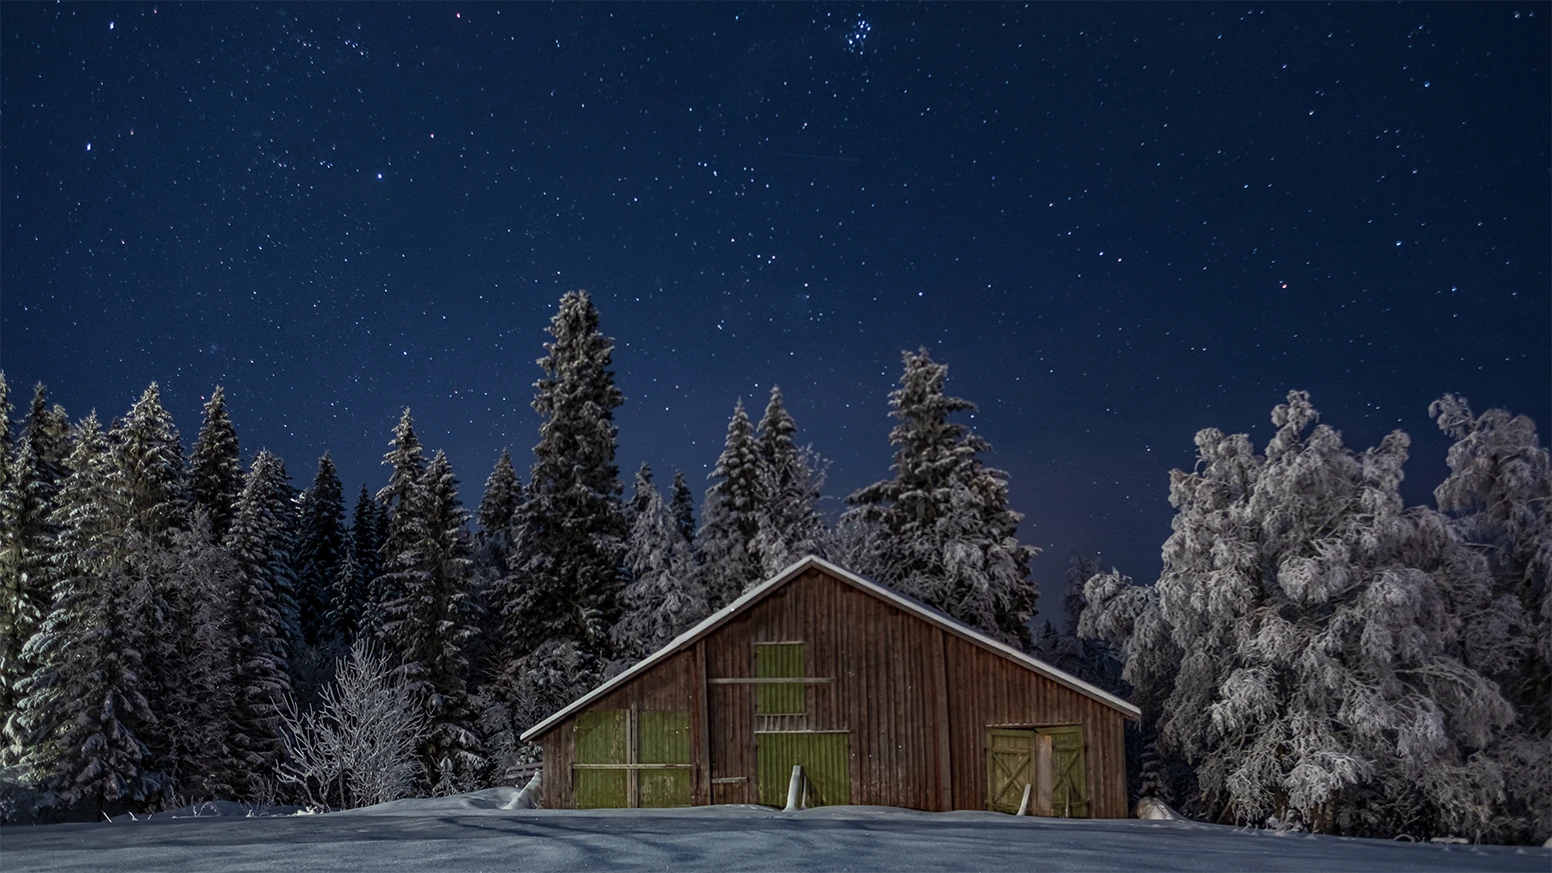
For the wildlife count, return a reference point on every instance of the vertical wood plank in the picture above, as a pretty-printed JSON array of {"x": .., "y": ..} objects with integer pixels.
[
  {"x": 945, "y": 766},
  {"x": 701, "y": 725}
]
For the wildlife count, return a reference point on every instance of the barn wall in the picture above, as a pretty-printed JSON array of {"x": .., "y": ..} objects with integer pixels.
[{"x": 916, "y": 701}]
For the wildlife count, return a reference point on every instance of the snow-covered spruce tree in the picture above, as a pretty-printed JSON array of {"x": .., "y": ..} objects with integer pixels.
[
  {"x": 28, "y": 499},
  {"x": 1089, "y": 659},
  {"x": 428, "y": 628},
  {"x": 950, "y": 534},
  {"x": 681, "y": 504},
  {"x": 1499, "y": 500},
  {"x": 730, "y": 523},
  {"x": 791, "y": 477},
  {"x": 860, "y": 544},
  {"x": 354, "y": 583},
  {"x": 215, "y": 467},
  {"x": 565, "y": 574},
  {"x": 83, "y": 710},
  {"x": 197, "y": 711},
  {"x": 493, "y": 542},
  {"x": 407, "y": 463},
  {"x": 7, "y": 446},
  {"x": 639, "y": 489},
  {"x": 320, "y": 549},
  {"x": 664, "y": 597},
  {"x": 149, "y": 481},
  {"x": 260, "y": 614}
]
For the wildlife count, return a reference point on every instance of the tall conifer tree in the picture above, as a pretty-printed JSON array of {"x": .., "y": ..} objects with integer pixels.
[
  {"x": 319, "y": 551},
  {"x": 726, "y": 547},
  {"x": 84, "y": 709},
  {"x": 950, "y": 533},
  {"x": 259, "y": 608},
  {"x": 215, "y": 468},
  {"x": 789, "y": 525},
  {"x": 681, "y": 504},
  {"x": 407, "y": 463},
  {"x": 569, "y": 534},
  {"x": 430, "y": 625}
]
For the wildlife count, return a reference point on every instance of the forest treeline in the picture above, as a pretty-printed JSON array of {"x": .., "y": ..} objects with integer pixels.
[
  {"x": 170, "y": 626},
  {"x": 1315, "y": 654}
]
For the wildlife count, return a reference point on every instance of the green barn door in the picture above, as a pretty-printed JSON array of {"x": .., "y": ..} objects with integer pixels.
[
  {"x": 1069, "y": 782},
  {"x": 665, "y": 739},
  {"x": 600, "y": 739},
  {"x": 1010, "y": 765},
  {"x": 826, "y": 760}
]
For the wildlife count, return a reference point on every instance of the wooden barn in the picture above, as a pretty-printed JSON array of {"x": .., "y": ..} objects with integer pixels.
[{"x": 881, "y": 700}]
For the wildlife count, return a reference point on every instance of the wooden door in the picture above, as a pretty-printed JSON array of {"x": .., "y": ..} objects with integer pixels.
[
  {"x": 824, "y": 755},
  {"x": 1010, "y": 765},
  {"x": 1069, "y": 777},
  {"x": 600, "y": 737},
  {"x": 664, "y": 739}
]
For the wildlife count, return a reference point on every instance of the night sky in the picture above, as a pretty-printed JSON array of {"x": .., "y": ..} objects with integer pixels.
[{"x": 1117, "y": 224}]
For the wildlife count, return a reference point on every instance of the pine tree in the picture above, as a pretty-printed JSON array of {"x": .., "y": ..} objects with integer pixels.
[
  {"x": 407, "y": 462},
  {"x": 215, "y": 469},
  {"x": 149, "y": 471},
  {"x": 788, "y": 523},
  {"x": 320, "y": 551},
  {"x": 430, "y": 625},
  {"x": 198, "y": 710},
  {"x": 84, "y": 709},
  {"x": 503, "y": 494},
  {"x": 682, "y": 504},
  {"x": 664, "y": 597},
  {"x": 355, "y": 582},
  {"x": 950, "y": 533},
  {"x": 7, "y": 447},
  {"x": 258, "y": 603},
  {"x": 730, "y": 524},
  {"x": 565, "y": 577},
  {"x": 639, "y": 490},
  {"x": 27, "y": 541}
]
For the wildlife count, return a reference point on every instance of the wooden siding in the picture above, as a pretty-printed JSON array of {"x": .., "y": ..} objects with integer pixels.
[{"x": 915, "y": 700}]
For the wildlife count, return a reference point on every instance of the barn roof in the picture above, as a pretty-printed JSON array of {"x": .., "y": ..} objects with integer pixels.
[{"x": 893, "y": 598}]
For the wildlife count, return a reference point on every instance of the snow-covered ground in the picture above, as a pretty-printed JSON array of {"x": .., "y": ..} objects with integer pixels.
[{"x": 480, "y": 832}]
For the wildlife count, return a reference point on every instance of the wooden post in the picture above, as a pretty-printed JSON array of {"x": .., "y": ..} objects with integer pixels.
[
  {"x": 940, "y": 693},
  {"x": 794, "y": 789},
  {"x": 1043, "y": 775},
  {"x": 1024, "y": 804}
]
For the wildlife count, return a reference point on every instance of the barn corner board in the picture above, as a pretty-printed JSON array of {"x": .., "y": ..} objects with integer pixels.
[{"x": 881, "y": 700}]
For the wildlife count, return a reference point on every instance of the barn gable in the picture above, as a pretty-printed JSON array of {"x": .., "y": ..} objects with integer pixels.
[{"x": 907, "y": 605}]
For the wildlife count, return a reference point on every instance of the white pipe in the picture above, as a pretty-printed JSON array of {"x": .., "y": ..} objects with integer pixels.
[{"x": 794, "y": 789}]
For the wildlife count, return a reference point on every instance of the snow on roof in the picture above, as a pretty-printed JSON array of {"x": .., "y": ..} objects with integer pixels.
[{"x": 894, "y": 598}]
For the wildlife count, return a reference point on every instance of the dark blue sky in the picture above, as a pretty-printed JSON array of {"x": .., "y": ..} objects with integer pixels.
[{"x": 1117, "y": 224}]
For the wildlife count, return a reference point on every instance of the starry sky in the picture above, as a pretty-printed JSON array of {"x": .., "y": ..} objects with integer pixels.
[{"x": 1117, "y": 224}]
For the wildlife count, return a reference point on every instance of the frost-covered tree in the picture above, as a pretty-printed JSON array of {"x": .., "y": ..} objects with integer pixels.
[
  {"x": 1301, "y": 646},
  {"x": 639, "y": 489},
  {"x": 7, "y": 446},
  {"x": 681, "y": 504},
  {"x": 725, "y": 545},
  {"x": 565, "y": 574},
  {"x": 788, "y": 524},
  {"x": 951, "y": 539},
  {"x": 84, "y": 710},
  {"x": 1499, "y": 500},
  {"x": 1088, "y": 659},
  {"x": 430, "y": 625},
  {"x": 215, "y": 467},
  {"x": 320, "y": 550},
  {"x": 664, "y": 597},
  {"x": 262, "y": 607},
  {"x": 361, "y": 745}
]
